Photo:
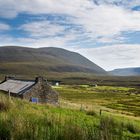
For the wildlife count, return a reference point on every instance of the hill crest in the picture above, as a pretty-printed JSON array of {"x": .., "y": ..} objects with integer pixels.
[{"x": 22, "y": 60}]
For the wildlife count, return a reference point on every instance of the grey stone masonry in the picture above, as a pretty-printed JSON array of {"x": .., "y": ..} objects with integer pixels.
[
  {"x": 39, "y": 89},
  {"x": 43, "y": 91}
]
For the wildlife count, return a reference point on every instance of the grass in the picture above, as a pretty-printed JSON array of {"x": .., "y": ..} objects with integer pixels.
[
  {"x": 107, "y": 97},
  {"x": 69, "y": 78},
  {"x": 24, "y": 120}
]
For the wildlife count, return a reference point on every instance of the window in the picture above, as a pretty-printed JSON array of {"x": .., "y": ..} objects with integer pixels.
[{"x": 34, "y": 100}]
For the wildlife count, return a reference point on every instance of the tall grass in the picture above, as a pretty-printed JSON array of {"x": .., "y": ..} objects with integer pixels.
[{"x": 26, "y": 121}]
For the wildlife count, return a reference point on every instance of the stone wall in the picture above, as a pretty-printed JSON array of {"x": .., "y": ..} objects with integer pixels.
[{"x": 43, "y": 91}]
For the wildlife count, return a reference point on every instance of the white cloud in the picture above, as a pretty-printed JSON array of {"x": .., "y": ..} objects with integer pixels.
[
  {"x": 129, "y": 4},
  {"x": 112, "y": 57},
  {"x": 109, "y": 21},
  {"x": 114, "y": 39},
  {"x": 44, "y": 42},
  {"x": 42, "y": 29},
  {"x": 37, "y": 42},
  {"x": 14, "y": 7},
  {"x": 132, "y": 3},
  {"x": 103, "y": 20},
  {"x": 4, "y": 27}
]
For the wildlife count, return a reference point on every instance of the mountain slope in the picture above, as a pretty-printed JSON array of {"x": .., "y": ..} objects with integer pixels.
[
  {"x": 22, "y": 60},
  {"x": 126, "y": 72}
]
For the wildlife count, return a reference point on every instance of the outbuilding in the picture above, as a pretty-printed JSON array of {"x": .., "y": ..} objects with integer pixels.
[
  {"x": 37, "y": 90},
  {"x": 55, "y": 82}
]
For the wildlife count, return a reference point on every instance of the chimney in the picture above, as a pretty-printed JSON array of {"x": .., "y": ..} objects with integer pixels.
[
  {"x": 8, "y": 78},
  {"x": 39, "y": 79}
]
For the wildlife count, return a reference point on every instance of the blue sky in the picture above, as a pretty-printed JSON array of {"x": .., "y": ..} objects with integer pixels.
[{"x": 105, "y": 31}]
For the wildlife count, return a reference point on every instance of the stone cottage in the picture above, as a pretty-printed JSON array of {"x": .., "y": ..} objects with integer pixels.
[{"x": 37, "y": 90}]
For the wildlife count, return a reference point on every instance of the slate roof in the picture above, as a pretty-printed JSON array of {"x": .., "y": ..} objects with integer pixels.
[{"x": 16, "y": 86}]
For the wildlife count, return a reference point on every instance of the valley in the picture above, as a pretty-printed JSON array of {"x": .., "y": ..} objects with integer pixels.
[
  {"x": 84, "y": 112},
  {"x": 93, "y": 104}
]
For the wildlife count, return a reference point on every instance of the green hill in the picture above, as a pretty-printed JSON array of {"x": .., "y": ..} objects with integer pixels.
[
  {"x": 126, "y": 72},
  {"x": 22, "y": 60}
]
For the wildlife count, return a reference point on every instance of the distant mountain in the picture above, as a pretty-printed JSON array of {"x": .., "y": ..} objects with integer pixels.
[
  {"x": 126, "y": 72},
  {"x": 22, "y": 60}
]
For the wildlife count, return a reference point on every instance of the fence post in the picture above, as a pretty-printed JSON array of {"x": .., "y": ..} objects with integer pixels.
[
  {"x": 9, "y": 94},
  {"x": 100, "y": 112}
]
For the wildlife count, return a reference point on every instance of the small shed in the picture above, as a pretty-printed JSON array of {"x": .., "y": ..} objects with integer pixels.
[
  {"x": 55, "y": 82},
  {"x": 93, "y": 85},
  {"x": 37, "y": 90}
]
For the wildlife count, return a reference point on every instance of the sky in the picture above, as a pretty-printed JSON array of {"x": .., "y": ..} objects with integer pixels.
[{"x": 105, "y": 31}]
